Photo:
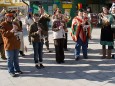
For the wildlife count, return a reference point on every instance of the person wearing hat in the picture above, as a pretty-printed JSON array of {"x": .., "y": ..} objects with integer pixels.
[
  {"x": 37, "y": 41},
  {"x": 11, "y": 44}
]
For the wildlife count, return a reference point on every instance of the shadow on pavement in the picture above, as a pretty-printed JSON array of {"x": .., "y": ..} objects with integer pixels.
[{"x": 82, "y": 69}]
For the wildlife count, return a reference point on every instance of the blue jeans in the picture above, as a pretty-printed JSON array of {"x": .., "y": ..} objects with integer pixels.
[
  {"x": 78, "y": 45},
  {"x": 12, "y": 60},
  {"x": 38, "y": 48}
]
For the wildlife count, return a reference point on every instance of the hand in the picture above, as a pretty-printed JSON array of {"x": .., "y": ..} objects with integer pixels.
[
  {"x": 66, "y": 30},
  {"x": 15, "y": 28},
  {"x": 105, "y": 19},
  {"x": 78, "y": 23},
  {"x": 62, "y": 24},
  {"x": 39, "y": 31},
  {"x": 12, "y": 31},
  {"x": 60, "y": 27}
]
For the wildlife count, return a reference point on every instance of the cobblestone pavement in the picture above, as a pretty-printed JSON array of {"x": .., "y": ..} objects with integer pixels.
[{"x": 85, "y": 72}]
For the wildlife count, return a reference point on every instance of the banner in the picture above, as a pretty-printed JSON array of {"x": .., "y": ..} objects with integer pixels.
[
  {"x": 79, "y": 5},
  {"x": 67, "y": 6}
]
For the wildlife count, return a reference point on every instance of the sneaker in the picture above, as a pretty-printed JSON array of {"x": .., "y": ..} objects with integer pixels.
[
  {"x": 30, "y": 43},
  {"x": 19, "y": 72},
  {"x": 66, "y": 50},
  {"x": 85, "y": 57},
  {"x": 103, "y": 57},
  {"x": 47, "y": 50},
  {"x": 77, "y": 58},
  {"x": 113, "y": 56},
  {"x": 13, "y": 74},
  {"x": 4, "y": 58},
  {"x": 41, "y": 66},
  {"x": 22, "y": 54},
  {"x": 38, "y": 67},
  {"x": 58, "y": 62},
  {"x": 62, "y": 61}
]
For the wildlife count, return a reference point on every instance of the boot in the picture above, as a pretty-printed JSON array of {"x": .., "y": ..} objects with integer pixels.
[
  {"x": 22, "y": 53},
  {"x": 4, "y": 58},
  {"x": 3, "y": 55},
  {"x": 104, "y": 53},
  {"x": 29, "y": 39},
  {"x": 109, "y": 54}
]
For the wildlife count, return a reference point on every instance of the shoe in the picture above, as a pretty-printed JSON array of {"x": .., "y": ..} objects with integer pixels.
[
  {"x": 47, "y": 50},
  {"x": 62, "y": 61},
  {"x": 13, "y": 74},
  {"x": 19, "y": 72},
  {"x": 22, "y": 54},
  {"x": 4, "y": 58},
  {"x": 113, "y": 56},
  {"x": 103, "y": 57},
  {"x": 85, "y": 57},
  {"x": 66, "y": 50},
  {"x": 41, "y": 66},
  {"x": 77, "y": 58},
  {"x": 38, "y": 67},
  {"x": 59, "y": 62},
  {"x": 30, "y": 43}
]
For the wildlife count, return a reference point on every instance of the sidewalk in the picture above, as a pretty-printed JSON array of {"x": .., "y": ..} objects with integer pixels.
[{"x": 85, "y": 72}]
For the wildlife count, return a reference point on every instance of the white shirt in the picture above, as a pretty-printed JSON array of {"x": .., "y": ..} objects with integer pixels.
[{"x": 59, "y": 34}]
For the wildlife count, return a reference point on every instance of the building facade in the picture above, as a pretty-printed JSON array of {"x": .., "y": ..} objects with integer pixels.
[
  {"x": 69, "y": 6},
  {"x": 13, "y": 5}
]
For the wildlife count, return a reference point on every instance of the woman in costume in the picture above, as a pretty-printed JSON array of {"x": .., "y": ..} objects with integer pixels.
[
  {"x": 106, "y": 32},
  {"x": 58, "y": 36}
]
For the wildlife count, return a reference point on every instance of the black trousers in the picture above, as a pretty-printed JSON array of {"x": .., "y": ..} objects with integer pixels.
[
  {"x": 65, "y": 41},
  {"x": 58, "y": 43}
]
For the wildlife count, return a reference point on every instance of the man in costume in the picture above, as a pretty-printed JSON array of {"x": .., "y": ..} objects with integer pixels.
[{"x": 80, "y": 34}]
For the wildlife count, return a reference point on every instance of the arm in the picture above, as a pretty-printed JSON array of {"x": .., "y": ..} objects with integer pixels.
[
  {"x": 4, "y": 32},
  {"x": 73, "y": 27},
  {"x": 89, "y": 33},
  {"x": 111, "y": 19}
]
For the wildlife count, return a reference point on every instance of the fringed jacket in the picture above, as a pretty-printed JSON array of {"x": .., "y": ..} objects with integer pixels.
[{"x": 80, "y": 29}]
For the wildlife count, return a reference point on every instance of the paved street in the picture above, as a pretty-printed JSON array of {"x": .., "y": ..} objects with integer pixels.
[{"x": 85, "y": 72}]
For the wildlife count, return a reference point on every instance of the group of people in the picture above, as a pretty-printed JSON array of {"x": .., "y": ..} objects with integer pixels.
[
  {"x": 82, "y": 33},
  {"x": 37, "y": 27},
  {"x": 11, "y": 32}
]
